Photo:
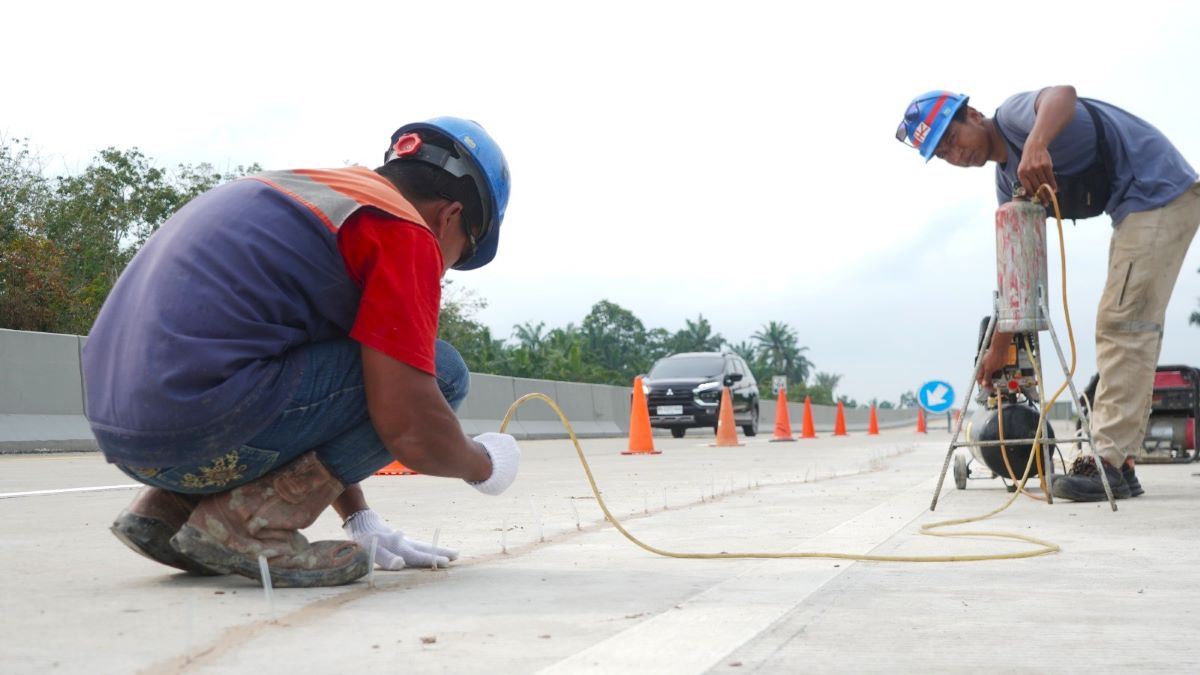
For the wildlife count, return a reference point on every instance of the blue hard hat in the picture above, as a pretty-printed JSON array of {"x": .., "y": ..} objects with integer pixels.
[
  {"x": 480, "y": 158},
  {"x": 926, "y": 119}
]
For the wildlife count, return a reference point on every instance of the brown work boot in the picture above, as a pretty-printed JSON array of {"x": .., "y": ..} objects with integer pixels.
[
  {"x": 149, "y": 522},
  {"x": 230, "y": 530}
]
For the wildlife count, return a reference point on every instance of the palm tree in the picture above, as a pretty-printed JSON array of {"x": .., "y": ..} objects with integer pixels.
[
  {"x": 777, "y": 344},
  {"x": 564, "y": 357},
  {"x": 827, "y": 381},
  {"x": 823, "y": 387},
  {"x": 529, "y": 336},
  {"x": 745, "y": 350},
  {"x": 696, "y": 336},
  {"x": 563, "y": 339}
]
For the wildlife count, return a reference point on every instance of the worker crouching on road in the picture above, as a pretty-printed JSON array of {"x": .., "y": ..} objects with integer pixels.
[
  {"x": 274, "y": 343},
  {"x": 1098, "y": 159}
]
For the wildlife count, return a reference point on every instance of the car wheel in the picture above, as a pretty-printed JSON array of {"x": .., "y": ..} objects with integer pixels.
[
  {"x": 752, "y": 428},
  {"x": 678, "y": 432}
]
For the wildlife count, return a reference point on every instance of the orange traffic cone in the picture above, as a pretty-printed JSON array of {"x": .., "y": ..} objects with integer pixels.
[
  {"x": 807, "y": 429},
  {"x": 920, "y": 420},
  {"x": 783, "y": 425},
  {"x": 395, "y": 469},
  {"x": 873, "y": 425},
  {"x": 726, "y": 426},
  {"x": 839, "y": 424},
  {"x": 641, "y": 441}
]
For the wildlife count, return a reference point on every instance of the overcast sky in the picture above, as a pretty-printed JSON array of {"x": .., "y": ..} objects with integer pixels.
[{"x": 730, "y": 159}]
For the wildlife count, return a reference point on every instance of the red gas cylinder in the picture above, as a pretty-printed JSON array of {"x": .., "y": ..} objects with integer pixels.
[{"x": 1020, "y": 266}]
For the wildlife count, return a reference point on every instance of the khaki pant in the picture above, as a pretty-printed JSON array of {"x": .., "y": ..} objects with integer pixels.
[{"x": 1144, "y": 258}]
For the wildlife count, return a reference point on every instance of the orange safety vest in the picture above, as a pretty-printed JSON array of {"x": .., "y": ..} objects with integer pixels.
[{"x": 333, "y": 195}]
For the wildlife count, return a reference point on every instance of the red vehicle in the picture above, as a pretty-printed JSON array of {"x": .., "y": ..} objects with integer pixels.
[{"x": 1171, "y": 431}]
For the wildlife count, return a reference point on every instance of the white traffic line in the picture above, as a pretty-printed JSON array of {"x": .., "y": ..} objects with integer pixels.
[
  {"x": 695, "y": 635},
  {"x": 38, "y": 493}
]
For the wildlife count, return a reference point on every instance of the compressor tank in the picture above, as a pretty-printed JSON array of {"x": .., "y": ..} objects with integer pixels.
[
  {"x": 1020, "y": 422},
  {"x": 1020, "y": 266}
]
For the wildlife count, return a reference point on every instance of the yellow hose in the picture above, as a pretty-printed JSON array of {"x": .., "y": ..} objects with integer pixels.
[{"x": 1043, "y": 547}]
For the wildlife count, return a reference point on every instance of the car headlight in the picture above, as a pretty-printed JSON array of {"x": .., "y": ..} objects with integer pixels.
[
  {"x": 707, "y": 386},
  {"x": 645, "y": 388}
]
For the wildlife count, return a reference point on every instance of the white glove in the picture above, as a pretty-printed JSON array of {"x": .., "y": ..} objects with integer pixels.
[
  {"x": 506, "y": 456},
  {"x": 393, "y": 550}
]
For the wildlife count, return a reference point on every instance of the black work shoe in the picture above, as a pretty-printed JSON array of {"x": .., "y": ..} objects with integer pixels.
[
  {"x": 1082, "y": 482},
  {"x": 1131, "y": 479}
]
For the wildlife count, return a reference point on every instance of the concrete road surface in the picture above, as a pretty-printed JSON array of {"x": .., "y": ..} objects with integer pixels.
[{"x": 1123, "y": 595}]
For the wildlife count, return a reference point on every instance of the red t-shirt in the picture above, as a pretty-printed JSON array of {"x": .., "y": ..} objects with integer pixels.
[{"x": 398, "y": 265}]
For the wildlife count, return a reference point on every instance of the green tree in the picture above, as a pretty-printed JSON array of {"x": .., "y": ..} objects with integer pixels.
[
  {"x": 33, "y": 289},
  {"x": 696, "y": 336},
  {"x": 24, "y": 190},
  {"x": 778, "y": 346},
  {"x": 908, "y": 399},
  {"x": 565, "y": 350},
  {"x": 100, "y": 218},
  {"x": 615, "y": 340},
  {"x": 658, "y": 344},
  {"x": 530, "y": 338},
  {"x": 67, "y": 239},
  {"x": 528, "y": 357},
  {"x": 457, "y": 325},
  {"x": 747, "y": 351},
  {"x": 823, "y": 387}
]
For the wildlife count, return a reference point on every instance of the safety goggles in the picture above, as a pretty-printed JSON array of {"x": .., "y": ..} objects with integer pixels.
[
  {"x": 474, "y": 232},
  {"x": 912, "y": 117},
  {"x": 472, "y": 242}
]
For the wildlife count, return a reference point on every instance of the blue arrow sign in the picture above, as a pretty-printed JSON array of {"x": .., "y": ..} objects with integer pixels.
[{"x": 936, "y": 396}]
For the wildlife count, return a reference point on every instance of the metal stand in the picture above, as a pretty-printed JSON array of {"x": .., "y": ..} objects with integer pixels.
[{"x": 1086, "y": 425}]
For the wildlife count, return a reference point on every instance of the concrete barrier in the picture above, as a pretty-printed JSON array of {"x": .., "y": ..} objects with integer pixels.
[
  {"x": 577, "y": 403},
  {"x": 611, "y": 406},
  {"x": 594, "y": 410},
  {"x": 41, "y": 393},
  {"x": 42, "y": 402},
  {"x": 486, "y": 404}
]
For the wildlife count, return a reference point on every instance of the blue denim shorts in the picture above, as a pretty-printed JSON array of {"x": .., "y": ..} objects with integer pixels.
[{"x": 327, "y": 413}]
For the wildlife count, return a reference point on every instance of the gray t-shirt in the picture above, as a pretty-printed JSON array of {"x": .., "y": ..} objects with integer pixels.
[{"x": 1149, "y": 171}]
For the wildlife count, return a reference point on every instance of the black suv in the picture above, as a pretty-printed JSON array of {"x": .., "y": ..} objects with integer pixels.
[{"x": 684, "y": 391}]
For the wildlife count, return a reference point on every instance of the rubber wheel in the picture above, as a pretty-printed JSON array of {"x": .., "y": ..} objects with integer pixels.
[
  {"x": 752, "y": 428},
  {"x": 678, "y": 432},
  {"x": 960, "y": 472}
]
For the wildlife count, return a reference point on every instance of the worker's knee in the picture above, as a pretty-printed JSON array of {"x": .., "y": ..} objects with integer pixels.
[{"x": 453, "y": 377}]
